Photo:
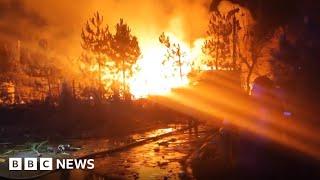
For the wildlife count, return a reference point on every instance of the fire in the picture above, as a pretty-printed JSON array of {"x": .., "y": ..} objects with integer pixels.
[{"x": 156, "y": 78}]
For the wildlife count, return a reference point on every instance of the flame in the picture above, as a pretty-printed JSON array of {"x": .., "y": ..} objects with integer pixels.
[{"x": 156, "y": 78}]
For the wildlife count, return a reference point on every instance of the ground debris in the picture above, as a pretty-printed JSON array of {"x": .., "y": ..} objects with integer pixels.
[
  {"x": 157, "y": 149},
  {"x": 2, "y": 160},
  {"x": 164, "y": 143},
  {"x": 162, "y": 164}
]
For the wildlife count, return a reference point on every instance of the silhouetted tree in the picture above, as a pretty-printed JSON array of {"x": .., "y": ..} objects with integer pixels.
[
  {"x": 285, "y": 57},
  {"x": 6, "y": 75},
  {"x": 66, "y": 96},
  {"x": 6, "y": 63},
  {"x": 42, "y": 74},
  {"x": 296, "y": 64},
  {"x": 221, "y": 46},
  {"x": 125, "y": 51},
  {"x": 235, "y": 37},
  {"x": 256, "y": 41},
  {"x": 116, "y": 94},
  {"x": 85, "y": 63},
  {"x": 97, "y": 39},
  {"x": 11, "y": 68},
  {"x": 174, "y": 52}
]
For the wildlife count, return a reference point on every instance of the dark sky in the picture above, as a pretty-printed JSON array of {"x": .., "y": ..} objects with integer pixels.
[{"x": 272, "y": 13}]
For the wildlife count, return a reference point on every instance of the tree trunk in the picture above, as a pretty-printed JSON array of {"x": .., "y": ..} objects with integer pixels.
[
  {"x": 254, "y": 57},
  {"x": 100, "y": 81},
  {"x": 49, "y": 86},
  {"x": 123, "y": 77},
  {"x": 234, "y": 42},
  {"x": 180, "y": 68},
  {"x": 254, "y": 61},
  {"x": 217, "y": 50},
  {"x": 248, "y": 79},
  {"x": 217, "y": 57},
  {"x": 99, "y": 71}
]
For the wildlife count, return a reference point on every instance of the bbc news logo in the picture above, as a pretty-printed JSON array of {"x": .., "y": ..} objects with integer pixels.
[{"x": 47, "y": 164}]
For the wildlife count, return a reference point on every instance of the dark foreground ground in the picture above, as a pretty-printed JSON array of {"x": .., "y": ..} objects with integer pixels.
[
  {"x": 181, "y": 156},
  {"x": 165, "y": 158},
  {"x": 188, "y": 156},
  {"x": 81, "y": 120},
  {"x": 252, "y": 159},
  {"x": 160, "y": 158}
]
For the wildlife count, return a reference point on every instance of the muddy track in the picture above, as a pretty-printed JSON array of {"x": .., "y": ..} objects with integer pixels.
[
  {"x": 167, "y": 159},
  {"x": 108, "y": 152},
  {"x": 131, "y": 145}
]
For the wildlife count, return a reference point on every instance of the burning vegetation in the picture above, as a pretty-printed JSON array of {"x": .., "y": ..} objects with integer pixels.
[
  {"x": 110, "y": 68},
  {"x": 116, "y": 62}
]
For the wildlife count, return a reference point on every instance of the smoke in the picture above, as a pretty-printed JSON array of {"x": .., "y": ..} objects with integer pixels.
[
  {"x": 59, "y": 22},
  {"x": 15, "y": 17}
]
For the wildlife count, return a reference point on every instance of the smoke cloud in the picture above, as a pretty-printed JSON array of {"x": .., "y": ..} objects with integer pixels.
[{"x": 59, "y": 22}]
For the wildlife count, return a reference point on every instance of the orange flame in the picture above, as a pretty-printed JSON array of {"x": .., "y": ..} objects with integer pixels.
[{"x": 154, "y": 77}]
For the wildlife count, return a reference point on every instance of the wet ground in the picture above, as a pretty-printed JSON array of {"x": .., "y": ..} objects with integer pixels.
[
  {"x": 161, "y": 159},
  {"x": 89, "y": 146}
]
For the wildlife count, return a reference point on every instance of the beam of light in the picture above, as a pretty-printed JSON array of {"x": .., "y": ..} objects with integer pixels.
[
  {"x": 209, "y": 104},
  {"x": 237, "y": 101}
]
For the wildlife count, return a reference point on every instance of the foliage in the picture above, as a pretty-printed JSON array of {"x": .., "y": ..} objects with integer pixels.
[
  {"x": 34, "y": 73},
  {"x": 44, "y": 70},
  {"x": 285, "y": 59},
  {"x": 222, "y": 41},
  {"x": 256, "y": 42},
  {"x": 295, "y": 63},
  {"x": 174, "y": 53},
  {"x": 125, "y": 51},
  {"x": 226, "y": 51},
  {"x": 6, "y": 64},
  {"x": 97, "y": 39},
  {"x": 116, "y": 53}
]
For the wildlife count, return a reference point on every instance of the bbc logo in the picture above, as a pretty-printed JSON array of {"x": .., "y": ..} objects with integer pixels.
[{"x": 30, "y": 164}]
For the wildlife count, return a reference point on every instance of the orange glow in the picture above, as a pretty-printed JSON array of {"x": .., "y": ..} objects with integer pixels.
[
  {"x": 153, "y": 77},
  {"x": 241, "y": 113}
]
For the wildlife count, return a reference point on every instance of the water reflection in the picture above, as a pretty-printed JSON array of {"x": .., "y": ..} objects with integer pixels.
[{"x": 160, "y": 159}]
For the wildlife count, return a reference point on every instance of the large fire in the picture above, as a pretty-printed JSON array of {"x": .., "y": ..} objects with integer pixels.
[{"x": 154, "y": 76}]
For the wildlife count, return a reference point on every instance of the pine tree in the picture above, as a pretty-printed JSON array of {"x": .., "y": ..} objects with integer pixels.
[
  {"x": 221, "y": 46},
  {"x": 174, "y": 52},
  {"x": 125, "y": 51},
  {"x": 97, "y": 39}
]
